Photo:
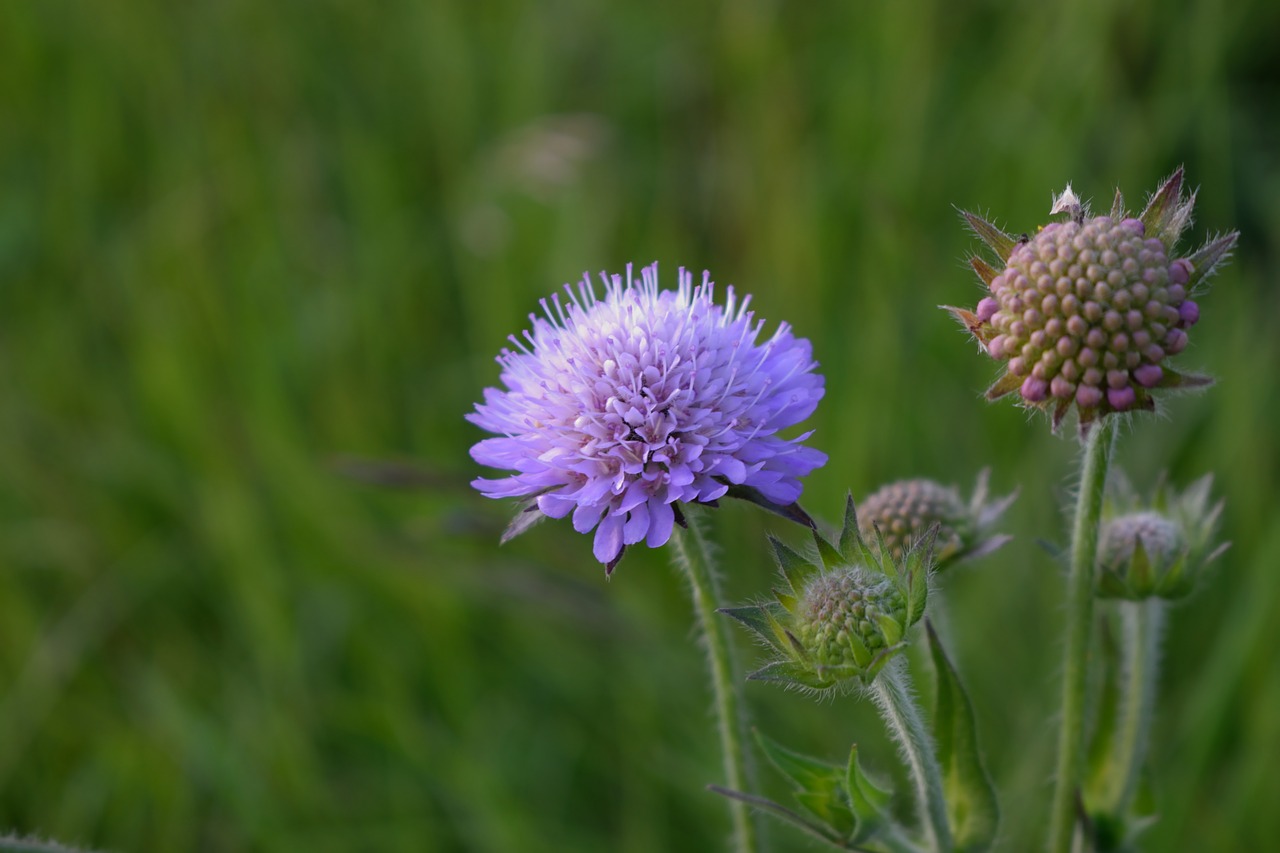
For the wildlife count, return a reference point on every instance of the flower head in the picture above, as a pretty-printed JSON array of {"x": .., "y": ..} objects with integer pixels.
[
  {"x": 617, "y": 408},
  {"x": 838, "y": 619},
  {"x": 1157, "y": 548},
  {"x": 904, "y": 510},
  {"x": 1086, "y": 313}
]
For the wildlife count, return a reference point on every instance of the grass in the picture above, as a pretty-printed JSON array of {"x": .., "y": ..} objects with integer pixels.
[{"x": 241, "y": 242}]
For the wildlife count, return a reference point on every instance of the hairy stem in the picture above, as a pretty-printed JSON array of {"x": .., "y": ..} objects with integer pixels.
[
  {"x": 692, "y": 555},
  {"x": 893, "y": 695},
  {"x": 1143, "y": 626},
  {"x": 1079, "y": 632}
]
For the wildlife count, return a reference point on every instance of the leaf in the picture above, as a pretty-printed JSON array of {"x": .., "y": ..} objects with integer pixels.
[
  {"x": 1205, "y": 260},
  {"x": 826, "y": 551},
  {"x": 781, "y": 812},
  {"x": 787, "y": 672},
  {"x": 985, "y": 271},
  {"x": 1166, "y": 213},
  {"x": 819, "y": 784},
  {"x": 852, "y": 546},
  {"x": 794, "y": 567},
  {"x": 1007, "y": 383},
  {"x": 869, "y": 802},
  {"x": 998, "y": 241},
  {"x": 754, "y": 617},
  {"x": 972, "y": 809}
]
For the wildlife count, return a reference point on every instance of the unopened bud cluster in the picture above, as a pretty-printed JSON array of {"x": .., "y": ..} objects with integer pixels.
[
  {"x": 1088, "y": 312},
  {"x": 1157, "y": 548},
  {"x": 845, "y": 605},
  {"x": 837, "y": 619},
  {"x": 903, "y": 511}
]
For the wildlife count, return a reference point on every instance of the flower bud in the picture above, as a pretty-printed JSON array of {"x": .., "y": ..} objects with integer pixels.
[
  {"x": 839, "y": 617},
  {"x": 1126, "y": 287},
  {"x": 1157, "y": 550},
  {"x": 903, "y": 511}
]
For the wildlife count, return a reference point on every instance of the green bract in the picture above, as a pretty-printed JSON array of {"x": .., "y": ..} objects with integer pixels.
[{"x": 839, "y": 618}]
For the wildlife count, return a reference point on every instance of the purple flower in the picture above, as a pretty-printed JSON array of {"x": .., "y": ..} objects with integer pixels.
[{"x": 617, "y": 408}]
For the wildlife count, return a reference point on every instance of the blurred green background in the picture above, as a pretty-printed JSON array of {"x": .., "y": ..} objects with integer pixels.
[{"x": 243, "y": 244}]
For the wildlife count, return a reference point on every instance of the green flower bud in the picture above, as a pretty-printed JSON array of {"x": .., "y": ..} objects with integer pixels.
[
  {"x": 904, "y": 510},
  {"x": 840, "y": 616},
  {"x": 1156, "y": 550},
  {"x": 848, "y": 616}
]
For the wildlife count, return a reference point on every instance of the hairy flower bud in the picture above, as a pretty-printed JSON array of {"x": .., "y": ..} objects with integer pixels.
[
  {"x": 841, "y": 616},
  {"x": 837, "y": 619},
  {"x": 1157, "y": 548},
  {"x": 904, "y": 510},
  {"x": 1086, "y": 312}
]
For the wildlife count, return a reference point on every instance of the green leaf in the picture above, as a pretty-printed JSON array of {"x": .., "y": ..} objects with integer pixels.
[
  {"x": 972, "y": 809},
  {"x": 852, "y": 546},
  {"x": 1102, "y": 763},
  {"x": 1167, "y": 213},
  {"x": 985, "y": 271},
  {"x": 830, "y": 556},
  {"x": 998, "y": 241},
  {"x": 782, "y": 813},
  {"x": 1205, "y": 260},
  {"x": 1117, "y": 206},
  {"x": 787, "y": 672},
  {"x": 868, "y": 801},
  {"x": 794, "y": 567},
  {"x": 818, "y": 785},
  {"x": 754, "y": 617}
]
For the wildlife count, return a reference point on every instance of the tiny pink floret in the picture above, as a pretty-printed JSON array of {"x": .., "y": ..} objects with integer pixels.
[
  {"x": 1148, "y": 375},
  {"x": 1189, "y": 313},
  {"x": 1034, "y": 390},
  {"x": 1121, "y": 398}
]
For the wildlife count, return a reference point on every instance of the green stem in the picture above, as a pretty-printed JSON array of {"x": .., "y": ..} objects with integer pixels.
[
  {"x": 1143, "y": 626},
  {"x": 693, "y": 557},
  {"x": 1079, "y": 630},
  {"x": 892, "y": 691}
]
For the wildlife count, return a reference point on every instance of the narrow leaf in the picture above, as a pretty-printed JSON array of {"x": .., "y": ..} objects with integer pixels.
[
  {"x": 972, "y": 809},
  {"x": 1163, "y": 204},
  {"x": 1205, "y": 260},
  {"x": 985, "y": 271},
  {"x": 869, "y": 801},
  {"x": 1117, "y": 206},
  {"x": 826, "y": 551},
  {"x": 998, "y": 241},
  {"x": 781, "y": 812},
  {"x": 1004, "y": 385},
  {"x": 755, "y": 618},
  {"x": 794, "y": 567}
]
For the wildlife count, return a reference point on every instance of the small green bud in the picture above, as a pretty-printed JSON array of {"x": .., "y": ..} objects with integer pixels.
[
  {"x": 839, "y": 616},
  {"x": 1157, "y": 550},
  {"x": 847, "y": 617},
  {"x": 904, "y": 510}
]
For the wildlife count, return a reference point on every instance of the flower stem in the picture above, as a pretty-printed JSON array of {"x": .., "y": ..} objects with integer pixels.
[
  {"x": 893, "y": 695},
  {"x": 1143, "y": 626},
  {"x": 1079, "y": 630},
  {"x": 693, "y": 557}
]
